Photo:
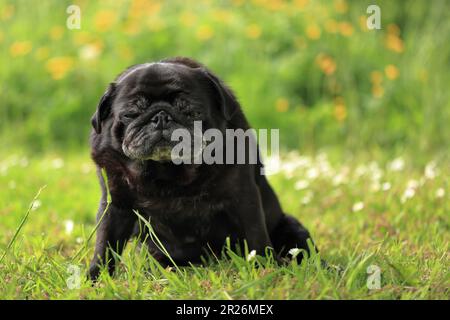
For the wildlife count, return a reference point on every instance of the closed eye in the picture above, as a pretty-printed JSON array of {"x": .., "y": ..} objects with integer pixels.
[
  {"x": 130, "y": 115},
  {"x": 180, "y": 103}
]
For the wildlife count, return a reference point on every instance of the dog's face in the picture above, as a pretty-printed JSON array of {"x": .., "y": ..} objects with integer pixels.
[{"x": 148, "y": 102}]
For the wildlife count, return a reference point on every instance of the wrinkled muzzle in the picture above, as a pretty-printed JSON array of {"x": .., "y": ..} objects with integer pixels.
[{"x": 163, "y": 140}]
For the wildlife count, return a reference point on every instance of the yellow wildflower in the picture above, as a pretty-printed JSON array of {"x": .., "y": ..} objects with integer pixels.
[
  {"x": 393, "y": 40},
  {"x": 56, "y": 32},
  {"x": 363, "y": 23},
  {"x": 341, "y": 6},
  {"x": 222, "y": 15},
  {"x": 140, "y": 8},
  {"x": 326, "y": 63},
  {"x": 377, "y": 91},
  {"x": 82, "y": 37},
  {"x": 187, "y": 19},
  {"x": 282, "y": 105},
  {"x": 331, "y": 26},
  {"x": 153, "y": 8},
  {"x": 346, "y": 29},
  {"x": 20, "y": 48},
  {"x": 7, "y": 12},
  {"x": 391, "y": 72},
  {"x": 156, "y": 24},
  {"x": 394, "y": 43},
  {"x": 253, "y": 31},
  {"x": 205, "y": 32},
  {"x": 132, "y": 27},
  {"x": 376, "y": 77},
  {"x": 125, "y": 52},
  {"x": 104, "y": 20},
  {"x": 340, "y": 110},
  {"x": 393, "y": 29},
  {"x": 313, "y": 31},
  {"x": 301, "y": 4},
  {"x": 58, "y": 67},
  {"x": 275, "y": 5}
]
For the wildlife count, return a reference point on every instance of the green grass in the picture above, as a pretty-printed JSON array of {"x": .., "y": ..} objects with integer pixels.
[{"x": 407, "y": 240}]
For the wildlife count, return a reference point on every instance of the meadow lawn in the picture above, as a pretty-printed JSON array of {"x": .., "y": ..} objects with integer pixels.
[{"x": 391, "y": 215}]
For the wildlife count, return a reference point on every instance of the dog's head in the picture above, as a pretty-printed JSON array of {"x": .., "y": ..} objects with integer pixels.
[{"x": 145, "y": 104}]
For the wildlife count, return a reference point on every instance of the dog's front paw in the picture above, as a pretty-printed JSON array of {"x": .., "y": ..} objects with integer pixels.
[{"x": 94, "y": 272}]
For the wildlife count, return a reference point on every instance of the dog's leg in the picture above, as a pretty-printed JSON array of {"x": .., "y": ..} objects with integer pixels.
[
  {"x": 251, "y": 218},
  {"x": 113, "y": 233},
  {"x": 288, "y": 234}
]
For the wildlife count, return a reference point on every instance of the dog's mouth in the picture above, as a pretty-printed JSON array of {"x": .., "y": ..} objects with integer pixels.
[
  {"x": 143, "y": 149},
  {"x": 160, "y": 152},
  {"x": 164, "y": 150}
]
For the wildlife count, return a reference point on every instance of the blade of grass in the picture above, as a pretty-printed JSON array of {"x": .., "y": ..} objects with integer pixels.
[
  {"x": 108, "y": 202},
  {"x": 22, "y": 223},
  {"x": 154, "y": 237}
]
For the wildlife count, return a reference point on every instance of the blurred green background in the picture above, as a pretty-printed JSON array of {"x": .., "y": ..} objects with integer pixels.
[{"x": 310, "y": 68}]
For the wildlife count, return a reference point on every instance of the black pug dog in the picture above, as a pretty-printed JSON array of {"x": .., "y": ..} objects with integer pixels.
[{"x": 192, "y": 208}]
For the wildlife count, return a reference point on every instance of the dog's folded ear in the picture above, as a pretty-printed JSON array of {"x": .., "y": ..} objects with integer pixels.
[
  {"x": 228, "y": 102},
  {"x": 103, "y": 108}
]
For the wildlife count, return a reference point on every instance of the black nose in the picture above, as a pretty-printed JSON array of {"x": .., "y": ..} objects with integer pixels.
[{"x": 161, "y": 119}]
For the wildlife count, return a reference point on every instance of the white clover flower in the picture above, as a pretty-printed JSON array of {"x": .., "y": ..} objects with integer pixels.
[
  {"x": 272, "y": 165},
  {"x": 386, "y": 186},
  {"x": 36, "y": 204},
  {"x": 86, "y": 168},
  {"x": 294, "y": 252},
  {"x": 3, "y": 169},
  {"x": 398, "y": 164},
  {"x": 376, "y": 186},
  {"x": 412, "y": 184},
  {"x": 358, "y": 206},
  {"x": 373, "y": 166},
  {"x": 440, "y": 193},
  {"x": 89, "y": 52},
  {"x": 376, "y": 172},
  {"x": 251, "y": 255},
  {"x": 68, "y": 225},
  {"x": 360, "y": 170},
  {"x": 301, "y": 184},
  {"x": 430, "y": 170},
  {"x": 376, "y": 175},
  {"x": 312, "y": 173},
  {"x": 408, "y": 194},
  {"x": 288, "y": 169},
  {"x": 57, "y": 163},
  {"x": 325, "y": 168},
  {"x": 322, "y": 157},
  {"x": 307, "y": 198},
  {"x": 323, "y": 164},
  {"x": 304, "y": 161},
  {"x": 339, "y": 179},
  {"x": 293, "y": 154}
]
